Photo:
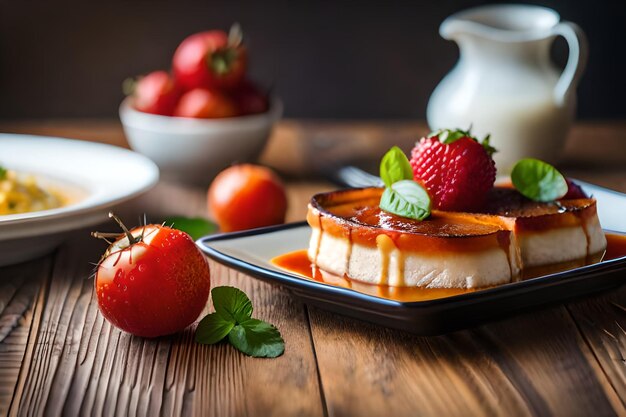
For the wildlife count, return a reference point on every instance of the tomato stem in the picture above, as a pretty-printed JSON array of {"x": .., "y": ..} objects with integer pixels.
[
  {"x": 129, "y": 85},
  {"x": 131, "y": 239},
  {"x": 235, "y": 35},
  {"x": 104, "y": 235}
]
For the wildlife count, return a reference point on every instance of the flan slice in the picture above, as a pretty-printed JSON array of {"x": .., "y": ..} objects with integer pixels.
[
  {"x": 351, "y": 237},
  {"x": 549, "y": 233}
]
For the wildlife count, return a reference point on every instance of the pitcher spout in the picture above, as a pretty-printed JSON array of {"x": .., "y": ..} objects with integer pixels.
[
  {"x": 452, "y": 28},
  {"x": 506, "y": 22}
]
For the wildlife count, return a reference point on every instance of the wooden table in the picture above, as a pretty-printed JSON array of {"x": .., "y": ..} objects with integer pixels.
[{"x": 58, "y": 356}]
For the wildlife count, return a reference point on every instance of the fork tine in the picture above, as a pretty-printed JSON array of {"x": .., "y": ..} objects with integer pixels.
[{"x": 356, "y": 177}]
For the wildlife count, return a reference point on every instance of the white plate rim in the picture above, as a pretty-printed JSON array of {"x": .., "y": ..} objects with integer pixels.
[{"x": 15, "y": 225}]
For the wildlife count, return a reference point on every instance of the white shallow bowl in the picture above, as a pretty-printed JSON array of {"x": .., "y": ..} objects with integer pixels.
[
  {"x": 96, "y": 176},
  {"x": 196, "y": 150}
]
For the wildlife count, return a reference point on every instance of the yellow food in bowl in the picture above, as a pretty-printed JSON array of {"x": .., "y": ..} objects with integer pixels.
[{"x": 23, "y": 195}]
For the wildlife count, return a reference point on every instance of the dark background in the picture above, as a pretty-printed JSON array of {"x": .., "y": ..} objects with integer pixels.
[{"x": 68, "y": 58}]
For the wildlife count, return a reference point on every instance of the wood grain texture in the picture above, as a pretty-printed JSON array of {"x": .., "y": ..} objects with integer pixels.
[
  {"x": 19, "y": 286},
  {"x": 602, "y": 321},
  {"x": 565, "y": 360},
  {"x": 78, "y": 364},
  {"x": 300, "y": 148},
  {"x": 535, "y": 364}
]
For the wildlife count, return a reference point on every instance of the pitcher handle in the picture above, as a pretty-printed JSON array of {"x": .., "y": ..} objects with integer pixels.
[{"x": 577, "y": 42}]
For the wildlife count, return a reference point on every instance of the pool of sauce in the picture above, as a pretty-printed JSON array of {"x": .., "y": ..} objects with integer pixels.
[{"x": 298, "y": 262}]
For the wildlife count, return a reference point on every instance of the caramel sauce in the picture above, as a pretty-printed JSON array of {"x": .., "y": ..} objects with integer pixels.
[
  {"x": 355, "y": 214},
  {"x": 615, "y": 246},
  {"x": 298, "y": 262}
]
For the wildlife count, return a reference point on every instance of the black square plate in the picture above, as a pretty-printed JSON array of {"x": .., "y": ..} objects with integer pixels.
[{"x": 251, "y": 252}]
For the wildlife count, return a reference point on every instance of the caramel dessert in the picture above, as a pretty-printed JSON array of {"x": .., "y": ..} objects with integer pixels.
[{"x": 353, "y": 238}]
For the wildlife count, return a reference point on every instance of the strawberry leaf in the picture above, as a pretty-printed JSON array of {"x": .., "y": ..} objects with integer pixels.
[
  {"x": 488, "y": 148},
  {"x": 449, "y": 136}
]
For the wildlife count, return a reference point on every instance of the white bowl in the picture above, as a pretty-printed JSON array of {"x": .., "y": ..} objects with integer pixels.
[
  {"x": 95, "y": 176},
  {"x": 196, "y": 150}
]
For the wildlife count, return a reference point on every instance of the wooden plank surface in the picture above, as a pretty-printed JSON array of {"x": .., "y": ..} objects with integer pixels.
[
  {"x": 58, "y": 356},
  {"x": 303, "y": 148},
  {"x": 602, "y": 322},
  {"x": 534, "y": 364},
  {"x": 78, "y": 364},
  {"x": 19, "y": 286}
]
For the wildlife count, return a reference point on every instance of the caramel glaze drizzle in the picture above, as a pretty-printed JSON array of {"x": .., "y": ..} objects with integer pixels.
[{"x": 386, "y": 247}]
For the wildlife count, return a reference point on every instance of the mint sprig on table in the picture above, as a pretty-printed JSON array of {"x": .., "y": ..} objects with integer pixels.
[
  {"x": 3, "y": 172},
  {"x": 233, "y": 319},
  {"x": 538, "y": 180},
  {"x": 196, "y": 227},
  {"x": 402, "y": 196}
]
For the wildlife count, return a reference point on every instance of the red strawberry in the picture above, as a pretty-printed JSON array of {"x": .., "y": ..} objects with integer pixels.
[
  {"x": 456, "y": 169},
  {"x": 573, "y": 191}
]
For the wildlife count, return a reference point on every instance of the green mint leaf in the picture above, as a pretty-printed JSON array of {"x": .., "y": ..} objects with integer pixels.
[
  {"x": 232, "y": 318},
  {"x": 213, "y": 328},
  {"x": 196, "y": 227},
  {"x": 406, "y": 198},
  {"x": 232, "y": 304},
  {"x": 538, "y": 180},
  {"x": 257, "y": 338},
  {"x": 3, "y": 173},
  {"x": 395, "y": 167}
]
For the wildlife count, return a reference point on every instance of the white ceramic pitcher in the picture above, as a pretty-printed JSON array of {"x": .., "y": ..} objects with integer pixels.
[{"x": 505, "y": 83}]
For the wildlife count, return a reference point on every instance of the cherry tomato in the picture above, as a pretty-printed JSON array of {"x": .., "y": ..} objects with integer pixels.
[
  {"x": 249, "y": 99},
  {"x": 153, "y": 283},
  {"x": 156, "y": 93},
  {"x": 203, "y": 103},
  {"x": 210, "y": 59},
  {"x": 247, "y": 196}
]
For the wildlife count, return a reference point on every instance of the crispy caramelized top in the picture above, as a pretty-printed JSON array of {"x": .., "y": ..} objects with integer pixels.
[
  {"x": 439, "y": 223},
  {"x": 508, "y": 202},
  {"x": 505, "y": 208}
]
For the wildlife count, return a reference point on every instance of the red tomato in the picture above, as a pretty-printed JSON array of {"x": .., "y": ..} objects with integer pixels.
[
  {"x": 247, "y": 196},
  {"x": 249, "y": 99},
  {"x": 153, "y": 287},
  {"x": 156, "y": 93},
  {"x": 210, "y": 60},
  {"x": 203, "y": 103}
]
